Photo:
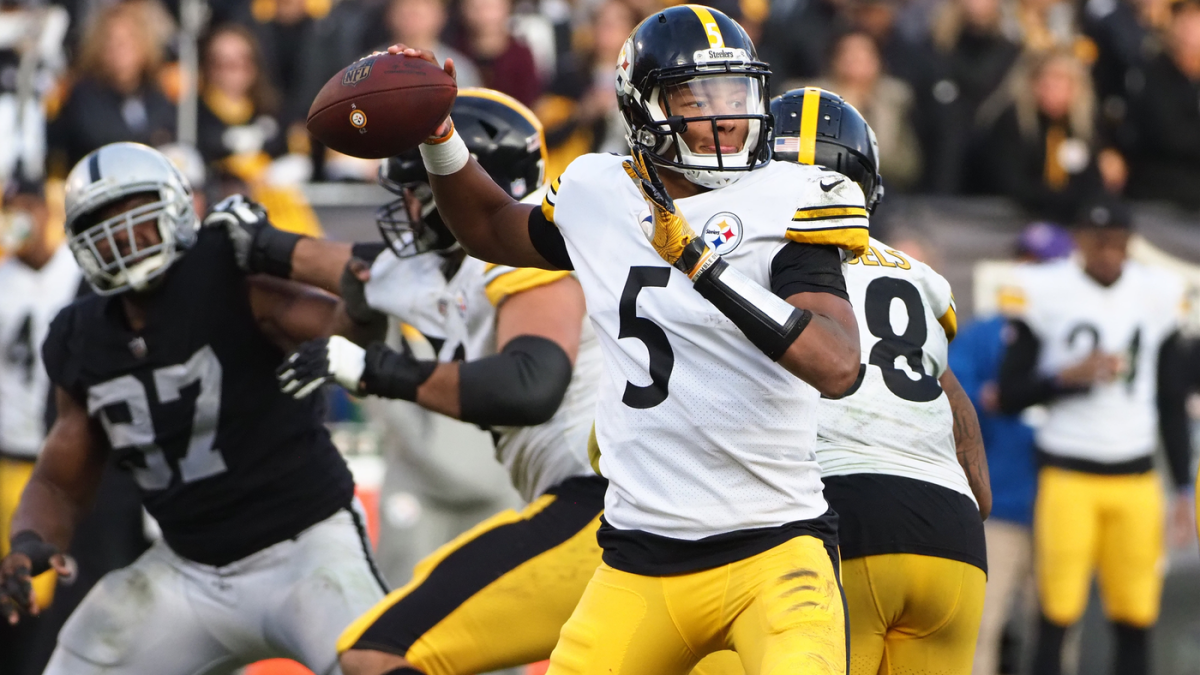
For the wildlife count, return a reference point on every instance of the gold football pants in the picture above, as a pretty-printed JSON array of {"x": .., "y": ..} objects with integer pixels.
[
  {"x": 1110, "y": 524},
  {"x": 912, "y": 614},
  {"x": 14, "y": 474},
  {"x": 781, "y": 611}
]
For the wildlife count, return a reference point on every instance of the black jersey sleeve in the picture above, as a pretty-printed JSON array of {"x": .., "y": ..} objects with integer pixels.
[
  {"x": 548, "y": 240},
  {"x": 1020, "y": 384},
  {"x": 1173, "y": 423},
  {"x": 57, "y": 353},
  {"x": 808, "y": 268}
]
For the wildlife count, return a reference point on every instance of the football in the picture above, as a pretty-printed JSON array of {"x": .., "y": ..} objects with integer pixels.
[{"x": 381, "y": 105}]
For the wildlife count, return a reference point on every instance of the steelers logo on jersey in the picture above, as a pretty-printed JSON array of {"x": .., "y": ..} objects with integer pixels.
[{"x": 723, "y": 232}]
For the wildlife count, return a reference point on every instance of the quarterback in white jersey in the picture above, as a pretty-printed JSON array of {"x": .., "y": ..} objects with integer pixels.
[
  {"x": 515, "y": 355},
  {"x": 1094, "y": 339},
  {"x": 716, "y": 533},
  {"x": 900, "y": 451}
]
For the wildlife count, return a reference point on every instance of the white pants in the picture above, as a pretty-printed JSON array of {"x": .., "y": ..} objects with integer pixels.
[{"x": 165, "y": 615}]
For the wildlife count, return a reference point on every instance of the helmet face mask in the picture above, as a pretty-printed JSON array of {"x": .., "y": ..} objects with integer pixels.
[
  {"x": 410, "y": 224},
  {"x": 501, "y": 134},
  {"x": 121, "y": 252},
  {"x": 693, "y": 94}
]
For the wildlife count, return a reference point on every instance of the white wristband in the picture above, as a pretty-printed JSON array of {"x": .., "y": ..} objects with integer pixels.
[{"x": 447, "y": 157}]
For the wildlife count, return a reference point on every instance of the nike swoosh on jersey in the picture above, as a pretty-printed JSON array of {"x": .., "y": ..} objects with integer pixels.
[{"x": 830, "y": 186}]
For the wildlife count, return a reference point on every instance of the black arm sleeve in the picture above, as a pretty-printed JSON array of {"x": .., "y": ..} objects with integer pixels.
[
  {"x": 808, "y": 268},
  {"x": 523, "y": 385},
  {"x": 1173, "y": 424},
  {"x": 549, "y": 241},
  {"x": 1020, "y": 384}
]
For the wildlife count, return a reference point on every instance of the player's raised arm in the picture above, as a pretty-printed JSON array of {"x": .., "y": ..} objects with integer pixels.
[
  {"x": 260, "y": 248},
  {"x": 489, "y": 223},
  {"x": 59, "y": 492}
]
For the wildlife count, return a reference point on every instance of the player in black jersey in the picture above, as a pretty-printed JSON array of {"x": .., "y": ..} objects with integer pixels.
[{"x": 170, "y": 365}]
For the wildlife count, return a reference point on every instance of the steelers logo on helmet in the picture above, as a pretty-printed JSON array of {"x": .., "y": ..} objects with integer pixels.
[
  {"x": 723, "y": 232},
  {"x": 692, "y": 92}
]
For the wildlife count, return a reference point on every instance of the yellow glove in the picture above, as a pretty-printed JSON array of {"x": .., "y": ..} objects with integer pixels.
[{"x": 671, "y": 235}]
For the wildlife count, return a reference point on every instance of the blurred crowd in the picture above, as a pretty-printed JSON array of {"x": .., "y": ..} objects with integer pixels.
[{"x": 1038, "y": 100}]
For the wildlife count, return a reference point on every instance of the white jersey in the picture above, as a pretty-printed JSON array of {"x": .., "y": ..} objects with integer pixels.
[
  {"x": 699, "y": 432},
  {"x": 458, "y": 315},
  {"x": 896, "y": 420},
  {"x": 29, "y": 300},
  {"x": 1071, "y": 314}
]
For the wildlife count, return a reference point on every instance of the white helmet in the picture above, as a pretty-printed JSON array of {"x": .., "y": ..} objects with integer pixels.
[{"x": 110, "y": 174}]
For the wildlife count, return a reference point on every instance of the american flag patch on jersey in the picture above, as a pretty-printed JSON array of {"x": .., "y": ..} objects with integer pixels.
[{"x": 787, "y": 144}]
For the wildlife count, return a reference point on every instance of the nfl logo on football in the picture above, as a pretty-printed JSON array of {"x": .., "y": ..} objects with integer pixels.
[{"x": 723, "y": 232}]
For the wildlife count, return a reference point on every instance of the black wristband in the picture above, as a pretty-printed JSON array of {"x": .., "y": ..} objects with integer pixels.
[
  {"x": 272, "y": 251},
  {"x": 392, "y": 374},
  {"x": 770, "y": 326},
  {"x": 31, "y": 544}
]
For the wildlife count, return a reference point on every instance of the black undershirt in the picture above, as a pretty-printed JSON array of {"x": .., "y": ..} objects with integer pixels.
[{"x": 880, "y": 514}]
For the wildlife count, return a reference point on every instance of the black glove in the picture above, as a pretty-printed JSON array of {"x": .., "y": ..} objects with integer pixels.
[
  {"x": 354, "y": 295},
  {"x": 29, "y": 556},
  {"x": 317, "y": 361},
  {"x": 257, "y": 245}
]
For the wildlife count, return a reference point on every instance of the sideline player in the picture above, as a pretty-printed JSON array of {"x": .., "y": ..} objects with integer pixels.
[
  {"x": 515, "y": 355},
  {"x": 38, "y": 277},
  {"x": 1096, "y": 341},
  {"x": 715, "y": 533},
  {"x": 900, "y": 452},
  {"x": 170, "y": 365}
]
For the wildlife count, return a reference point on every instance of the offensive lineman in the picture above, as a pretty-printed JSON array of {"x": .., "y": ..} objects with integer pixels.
[
  {"x": 900, "y": 452},
  {"x": 715, "y": 533},
  {"x": 170, "y": 366},
  {"x": 1095, "y": 340},
  {"x": 515, "y": 355}
]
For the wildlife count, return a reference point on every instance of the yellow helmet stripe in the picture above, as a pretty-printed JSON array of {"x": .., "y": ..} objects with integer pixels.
[
  {"x": 715, "y": 39},
  {"x": 808, "y": 125}
]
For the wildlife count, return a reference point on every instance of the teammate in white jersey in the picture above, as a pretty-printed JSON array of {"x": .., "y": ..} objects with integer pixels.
[
  {"x": 900, "y": 451},
  {"x": 1095, "y": 341},
  {"x": 514, "y": 355},
  {"x": 716, "y": 533},
  {"x": 37, "y": 278}
]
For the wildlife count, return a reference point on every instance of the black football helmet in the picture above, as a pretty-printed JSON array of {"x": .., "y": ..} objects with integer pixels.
[
  {"x": 814, "y": 126},
  {"x": 502, "y": 135},
  {"x": 695, "y": 56}
]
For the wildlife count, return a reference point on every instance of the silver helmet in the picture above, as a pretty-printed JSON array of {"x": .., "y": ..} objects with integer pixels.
[{"x": 107, "y": 250}]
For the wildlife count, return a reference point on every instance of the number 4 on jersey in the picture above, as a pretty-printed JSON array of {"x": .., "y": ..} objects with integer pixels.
[{"x": 201, "y": 460}]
